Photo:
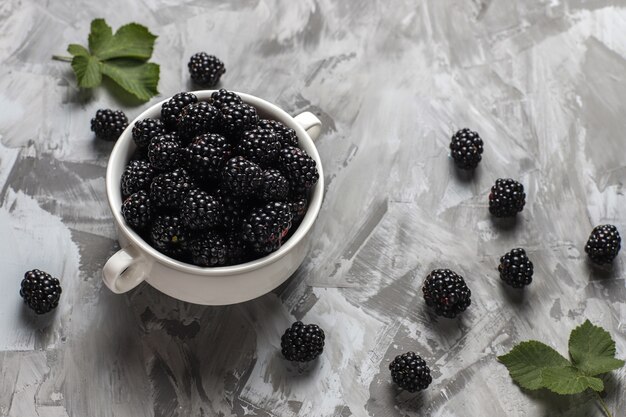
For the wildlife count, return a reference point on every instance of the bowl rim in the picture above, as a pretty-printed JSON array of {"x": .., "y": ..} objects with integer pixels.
[{"x": 124, "y": 147}]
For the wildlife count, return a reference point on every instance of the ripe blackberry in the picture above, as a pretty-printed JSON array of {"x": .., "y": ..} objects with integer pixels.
[
  {"x": 259, "y": 146},
  {"x": 168, "y": 235},
  {"x": 236, "y": 252},
  {"x": 109, "y": 124},
  {"x": 447, "y": 292},
  {"x": 40, "y": 291},
  {"x": 507, "y": 198},
  {"x": 205, "y": 69},
  {"x": 164, "y": 152},
  {"x": 200, "y": 210},
  {"x": 206, "y": 155},
  {"x": 237, "y": 119},
  {"x": 224, "y": 98},
  {"x": 266, "y": 226},
  {"x": 137, "y": 210},
  {"x": 285, "y": 135},
  {"x": 169, "y": 189},
  {"x": 604, "y": 244},
  {"x": 466, "y": 149},
  {"x": 234, "y": 209},
  {"x": 241, "y": 176},
  {"x": 298, "y": 206},
  {"x": 274, "y": 186},
  {"x": 299, "y": 168},
  {"x": 209, "y": 249},
  {"x": 171, "y": 109},
  {"x": 516, "y": 269},
  {"x": 302, "y": 342},
  {"x": 137, "y": 176},
  {"x": 198, "y": 119},
  {"x": 145, "y": 130},
  {"x": 410, "y": 372}
]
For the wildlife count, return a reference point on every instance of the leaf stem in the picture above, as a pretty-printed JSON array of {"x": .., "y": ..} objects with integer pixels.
[
  {"x": 605, "y": 408},
  {"x": 62, "y": 58}
]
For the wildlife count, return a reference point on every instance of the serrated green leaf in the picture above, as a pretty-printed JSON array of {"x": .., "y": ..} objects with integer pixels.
[
  {"x": 569, "y": 380},
  {"x": 76, "y": 50},
  {"x": 592, "y": 350},
  {"x": 100, "y": 34},
  {"x": 527, "y": 361},
  {"x": 139, "y": 79},
  {"x": 130, "y": 41},
  {"x": 88, "y": 71}
]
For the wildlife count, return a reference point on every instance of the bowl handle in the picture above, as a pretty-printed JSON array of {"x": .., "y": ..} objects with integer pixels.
[
  {"x": 122, "y": 273},
  {"x": 310, "y": 123}
]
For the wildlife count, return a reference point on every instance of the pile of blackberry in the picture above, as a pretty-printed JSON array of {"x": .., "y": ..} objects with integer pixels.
[{"x": 214, "y": 184}]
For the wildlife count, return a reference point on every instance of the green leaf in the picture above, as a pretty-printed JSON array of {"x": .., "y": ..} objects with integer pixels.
[
  {"x": 139, "y": 79},
  {"x": 528, "y": 361},
  {"x": 76, "y": 50},
  {"x": 100, "y": 34},
  {"x": 130, "y": 41},
  {"x": 592, "y": 350},
  {"x": 569, "y": 380},
  {"x": 88, "y": 70}
]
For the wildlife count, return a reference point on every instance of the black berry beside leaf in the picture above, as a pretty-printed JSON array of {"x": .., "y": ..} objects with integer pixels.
[
  {"x": 109, "y": 124},
  {"x": 205, "y": 69}
]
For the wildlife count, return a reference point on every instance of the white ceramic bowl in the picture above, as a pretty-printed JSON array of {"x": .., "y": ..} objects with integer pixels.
[{"x": 137, "y": 261}]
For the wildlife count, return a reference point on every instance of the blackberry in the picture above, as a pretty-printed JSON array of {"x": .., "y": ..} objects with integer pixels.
[
  {"x": 234, "y": 209},
  {"x": 197, "y": 119},
  {"x": 266, "y": 226},
  {"x": 199, "y": 210},
  {"x": 137, "y": 210},
  {"x": 206, "y": 155},
  {"x": 447, "y": 292},
  {"x": 516, "y": 269},
  {"x": 109, "y": 124},
  {"x": 507, "y": 198},
  {"x": 259, "y": 146},
  {"x": 164, "y": 152},
  {"x": 236, "y": 252},
  {"x": 40, "y": 291},
  {"x": 168, "y": 235},
  {"x": 208, "y": 250},
  {"x": 299, "y": 168},
  {"x": 274, "y": 186},
  {"x": 169, "y": 189},
  {"x": 466, "y": 149},
  {"x": 285, "y": 135},
  {"x": 604, "y": 244},
  {"x": 224, "y": 98},
  {"x": 241, "y": 176},
  {"x": 137, "y": 176},
  {"x": 171, "y": 109},
  {"x": 298, "y": 206},
  {"x": 145, "y": 130},
  {"x": 410, "y": 372},
  {"x": 237, "y": 119},
  {"x": 205, "y": 69},
  {"x": 302, "y": 342}
]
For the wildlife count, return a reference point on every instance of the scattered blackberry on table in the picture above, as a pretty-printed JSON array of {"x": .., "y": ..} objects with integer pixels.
[
  {"x": 259, "y": 146},
  {"x": 236, "y": 251},
  {"x": 197, "y": 119},
  {"x": 410, "y": 372},
  {"x": 137, "y": 210},
  {"x": 516, "y": 269},
  {"x": 234, "y": 209},
  {"x": 447, "y": 292},
  {"x": 205, "y": 69},
  {"x": 109, "y": 124},
  {"x": 164, "y": 152},
  {"x": 168, "y": 235},
  {"x": 206, "y": 155},
  {"x": 265, "y": 227},
  {"x": 137, "y": 176},
  {"x": 237, "y": 119},
  {"x": 274, "y": 186},
  {"x": 242, "y": 177},
  {"x": 285, "y": 135},
  {"x": 302, "y": 342},
  {"x": 299, "y": 168},
  {"x": 200, "y": 210},
  {"x": 209, "y": 249},
  {"x": 171, "y": 109},
  {"x": 604, "y": 244},
  {"x": 169, "y": 189},
  {"x": 507, "y": 198},
  {"x": 298, "y": 206},
  {"x": 145, "y": 130},
  {"x": 224, "y": 98},
  {"x": 40, "y": 291},
  {"x": 466, "y": 149}
]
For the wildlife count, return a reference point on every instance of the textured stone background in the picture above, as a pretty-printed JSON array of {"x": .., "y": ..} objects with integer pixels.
[{"x": 543, "y": 81}]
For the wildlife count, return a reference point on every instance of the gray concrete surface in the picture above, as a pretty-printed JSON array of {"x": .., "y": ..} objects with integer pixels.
[{"x": 543, "y": 81}]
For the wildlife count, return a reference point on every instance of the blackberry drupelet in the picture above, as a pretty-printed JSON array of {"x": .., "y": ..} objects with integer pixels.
[
  {"x": 302, "y": 342},
  {"x": 145, "y": 130},
  {"x": 241, "y": 177},
  {"x": 507, "y": 198},
  {"x": 171, "y": 109},
  {"x": 168, "y": 235},
  {"x": 137, "y": 210},
  {"x": 137, "y": 176},
  {"x": 516, "y": 269},
  {"x": 604, "y": 244},
  {"x": 410, "y": 372},
  {"x": 109, "y": 124},
  {"x": 237, "y": 119},
  {"x": 206, "y": 155},
  {"x": 224, "y": 98},
  {"x": 205, "y": 69},
  {"x": 466, "y": 149},
  {"x": 198, "y": 119},
  {"x": 40, "y": 291},
  {"x": 274, "y": 186},
  {"x": 285, "y": 135},
  {"x": 209, "y": 249},
  {"x": 234, "y": 209},
  {"x": 164, "y": 152},
  {"x": 236, "y": 251},
  {"x": 200, "y": 210},
  {"x": 298, "y": 167},
  {"x": 447, "y": 292},
  {"x": 259, "y": 146},
  {"x": 266, "y": 226},
  {"x": 169, "y": 189},
  {"x": 298, "y": 206}
]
